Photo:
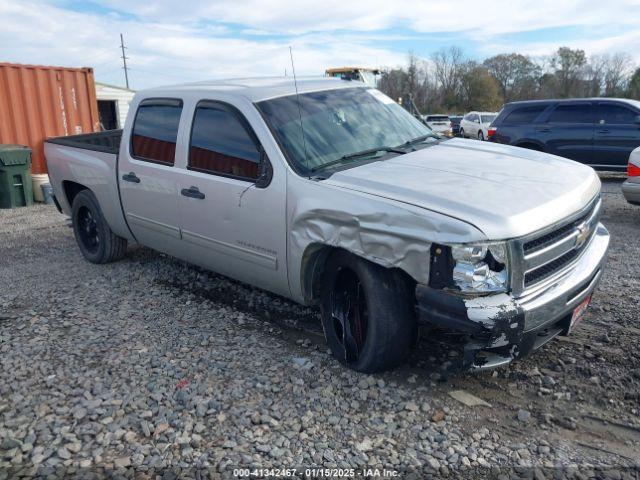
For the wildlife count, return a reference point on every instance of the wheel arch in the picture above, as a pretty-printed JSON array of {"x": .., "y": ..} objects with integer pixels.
[
  {"x": 314, "y": 261},
  {"x": 112, "y": 210},
  {"x": 71, "y": 190}
]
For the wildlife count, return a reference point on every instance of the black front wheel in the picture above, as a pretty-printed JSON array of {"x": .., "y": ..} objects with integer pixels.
[
  {"x": 367, "y": 313},
  {"x": 97, "y": 242}
]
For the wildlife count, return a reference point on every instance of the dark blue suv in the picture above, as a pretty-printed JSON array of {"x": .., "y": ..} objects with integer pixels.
[{"x": 600, "y": 132}]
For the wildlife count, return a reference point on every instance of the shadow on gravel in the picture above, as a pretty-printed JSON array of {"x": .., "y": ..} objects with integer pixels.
[{"x": 437, "y": 356}]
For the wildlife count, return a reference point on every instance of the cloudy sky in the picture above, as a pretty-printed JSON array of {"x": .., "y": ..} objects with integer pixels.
[{"x": 173, "y": 41}]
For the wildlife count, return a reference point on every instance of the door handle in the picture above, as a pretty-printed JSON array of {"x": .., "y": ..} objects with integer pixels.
[
  {"x": 130, "y": 177},
  {"x": 603, "y": 131},
  {"x": 192, "y": 192}
]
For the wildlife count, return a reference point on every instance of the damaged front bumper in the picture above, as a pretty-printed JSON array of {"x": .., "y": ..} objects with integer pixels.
[{"x": 500, "y": 327}]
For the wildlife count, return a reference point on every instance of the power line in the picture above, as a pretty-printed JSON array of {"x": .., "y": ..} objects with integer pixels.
[{"x": 124, "y": 61}]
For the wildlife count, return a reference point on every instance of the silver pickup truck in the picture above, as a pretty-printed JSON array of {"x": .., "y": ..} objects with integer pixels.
[{"x": 335, "y": 196}]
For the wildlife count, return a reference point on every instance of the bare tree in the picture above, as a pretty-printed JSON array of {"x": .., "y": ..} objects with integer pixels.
[
  {"x": 594, "y": 73},
  {"x": 447, "y": 65},
  {"x": 617, "y": 70},
  {"x": 450, "y": 83}
]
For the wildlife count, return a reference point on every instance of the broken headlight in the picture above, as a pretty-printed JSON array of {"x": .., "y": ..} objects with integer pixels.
[{"x": 480, "y": 268}]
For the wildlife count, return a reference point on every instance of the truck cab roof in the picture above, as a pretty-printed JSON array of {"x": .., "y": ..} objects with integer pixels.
[{"x": 258, "y": 89}]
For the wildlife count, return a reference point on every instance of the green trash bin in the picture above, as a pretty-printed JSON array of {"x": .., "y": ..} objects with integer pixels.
[{"x": 15, "y": 179}]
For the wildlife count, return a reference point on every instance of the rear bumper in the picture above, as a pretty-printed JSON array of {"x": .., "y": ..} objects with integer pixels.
[
  {"x": 631, "y": 190},
  {"x": 501, "y": 328}
]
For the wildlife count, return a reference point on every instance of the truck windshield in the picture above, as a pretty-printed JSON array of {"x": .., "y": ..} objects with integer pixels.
[{"x": 339, "y": 123}]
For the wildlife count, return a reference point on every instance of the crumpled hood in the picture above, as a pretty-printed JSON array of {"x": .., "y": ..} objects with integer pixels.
[{"x": 504, "y": 191}]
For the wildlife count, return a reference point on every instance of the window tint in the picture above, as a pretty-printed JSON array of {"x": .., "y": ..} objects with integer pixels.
[
  {"x": 612, "y": 113},
  {"x": 155, "y": 131},
  {"x": 524, "y": 114},
  {"x": 580, "y": 113},
  {"x": 488, "y": 118},
  {"x": 220, "y": 144}
]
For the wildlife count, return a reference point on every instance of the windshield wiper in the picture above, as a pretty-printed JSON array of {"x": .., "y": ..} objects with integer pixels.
[
  {"x": 361, "y": 153},
  {"x": 415, "y": 141}
]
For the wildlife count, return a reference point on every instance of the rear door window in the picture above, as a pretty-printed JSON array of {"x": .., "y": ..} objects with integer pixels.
[
  {"x": 612, "y": 113},
  {"x": 222, "y": 143},
  {"x": 572, "y": 113},
  {"x": 524, "y": 114},
  {"x": 155, "y": 131}
]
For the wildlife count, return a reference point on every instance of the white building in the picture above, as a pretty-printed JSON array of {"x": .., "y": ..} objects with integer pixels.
[{"x": 113, "y": 105}]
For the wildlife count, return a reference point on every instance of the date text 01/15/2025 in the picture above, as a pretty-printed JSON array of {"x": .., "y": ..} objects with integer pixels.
[{"x": 315, "y": 472}]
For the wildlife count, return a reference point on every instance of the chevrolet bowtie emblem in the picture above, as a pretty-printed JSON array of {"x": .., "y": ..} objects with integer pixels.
[{"x": 583, "y": 234}]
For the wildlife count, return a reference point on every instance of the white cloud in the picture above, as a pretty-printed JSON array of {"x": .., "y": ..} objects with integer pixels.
[
  {"x": 626, "y": 42},
  {"x": 487, "y": 17},
  {"x": 171, "y": 42},
  {"x": 161, "y": 52}
]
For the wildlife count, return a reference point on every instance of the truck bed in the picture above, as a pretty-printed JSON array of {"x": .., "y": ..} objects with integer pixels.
[
  {"x": 89, "y": 161},
  {"x": 107, "y": 141}
]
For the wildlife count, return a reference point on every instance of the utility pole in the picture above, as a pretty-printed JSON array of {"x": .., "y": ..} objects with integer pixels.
[{"x": 124, "y": 61}]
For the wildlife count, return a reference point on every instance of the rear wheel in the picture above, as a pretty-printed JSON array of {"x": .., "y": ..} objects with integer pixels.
[
  {"x": 480, "y": 135},
  {"x": 367, "y": 314},
  {"x": 97, "y": 242}
]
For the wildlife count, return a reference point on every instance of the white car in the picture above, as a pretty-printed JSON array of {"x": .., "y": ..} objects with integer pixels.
[
  {"x": 631, "y": 187},
  {"x": 476, "y": 124},
  {"x": 438, "y": 123}
]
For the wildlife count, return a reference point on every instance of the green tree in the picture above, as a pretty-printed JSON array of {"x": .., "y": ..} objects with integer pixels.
[
  {"x": 479, "y": 89},
  {"x": 633, "y": 90},
  {"x": 516, "y": 75},
  {"x": 569, "y": 67}
]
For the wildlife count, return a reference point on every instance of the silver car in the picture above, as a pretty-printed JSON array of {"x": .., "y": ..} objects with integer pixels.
[{"x": 331, "y": 194}]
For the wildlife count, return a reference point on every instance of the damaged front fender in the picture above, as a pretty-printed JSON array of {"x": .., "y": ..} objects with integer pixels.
[{"x": 386, "y": 232}]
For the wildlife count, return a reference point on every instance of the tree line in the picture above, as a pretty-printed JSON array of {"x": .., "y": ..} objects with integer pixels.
[{"x": 448, "y": 82}]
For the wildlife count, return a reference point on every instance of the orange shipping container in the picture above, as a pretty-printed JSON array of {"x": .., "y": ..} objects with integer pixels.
[{"x": 37, "y": 102}]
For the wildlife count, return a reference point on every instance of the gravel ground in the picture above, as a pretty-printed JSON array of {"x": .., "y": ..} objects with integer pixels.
[{"x": 152, "y": 366}]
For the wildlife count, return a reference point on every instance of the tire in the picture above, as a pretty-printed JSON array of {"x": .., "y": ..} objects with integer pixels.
[
  {"x": 97, "y": 242},
  {"x": 380, "y": 332},
  {"x": 481, "y": 136},
  {"x": 461, "y": 133}
]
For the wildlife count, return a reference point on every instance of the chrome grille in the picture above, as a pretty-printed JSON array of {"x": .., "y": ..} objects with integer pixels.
[
  {"x": 550, "y": 268},
  {"x": 546, "y": 255}
]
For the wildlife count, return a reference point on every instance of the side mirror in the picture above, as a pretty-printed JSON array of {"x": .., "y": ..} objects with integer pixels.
[{"x": 266, "y": 171}]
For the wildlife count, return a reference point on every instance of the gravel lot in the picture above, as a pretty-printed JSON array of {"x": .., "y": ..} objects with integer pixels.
[{"x": 153, "y": 365}]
